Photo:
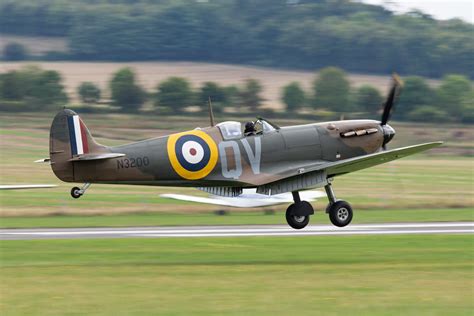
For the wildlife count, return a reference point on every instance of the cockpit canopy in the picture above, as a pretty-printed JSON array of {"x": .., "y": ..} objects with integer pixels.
[
  {"x": 230, "y": 129},
  {"x": 234, "y": 130}
]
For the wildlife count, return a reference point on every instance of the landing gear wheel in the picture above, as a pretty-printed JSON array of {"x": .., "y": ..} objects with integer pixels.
[
  {"x": 296, "y": 221},
  {"x": 340, "y": 213},
  {"x": 76, "y": 192}
]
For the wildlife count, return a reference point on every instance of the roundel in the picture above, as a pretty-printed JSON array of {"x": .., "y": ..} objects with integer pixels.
[{"x": 192, "y": 154}]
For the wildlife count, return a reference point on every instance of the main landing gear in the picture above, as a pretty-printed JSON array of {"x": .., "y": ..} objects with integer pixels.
[
  {"x": 340, "y": 212},
  {"x": 78, "y": 192},
  {"x": 298, "y": 213}
]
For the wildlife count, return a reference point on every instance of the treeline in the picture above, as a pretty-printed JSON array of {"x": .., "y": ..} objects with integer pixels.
[
  {"x": 308, "y": 34},
  {"x": 34, "y": 89},
  {"x": 451, "y": 101}
]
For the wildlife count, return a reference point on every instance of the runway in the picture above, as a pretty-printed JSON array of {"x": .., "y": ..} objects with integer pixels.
[{"x": 238, "y": 231}]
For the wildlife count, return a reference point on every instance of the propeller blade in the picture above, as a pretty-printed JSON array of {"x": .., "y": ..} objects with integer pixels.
[{"x": 388, "y": 106}]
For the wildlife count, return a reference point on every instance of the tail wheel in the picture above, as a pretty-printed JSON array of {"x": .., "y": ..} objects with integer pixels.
[
  {"x": 340, "y": 213},
  {"x": 76, "y": 192},
  {"x": 296, "y": 221}
]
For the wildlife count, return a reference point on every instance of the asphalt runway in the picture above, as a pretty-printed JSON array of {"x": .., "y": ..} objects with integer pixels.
[{"x": 238, "y": 231}]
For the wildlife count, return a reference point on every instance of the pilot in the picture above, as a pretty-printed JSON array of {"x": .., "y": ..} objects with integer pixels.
[{"x": 249, "y": 129}]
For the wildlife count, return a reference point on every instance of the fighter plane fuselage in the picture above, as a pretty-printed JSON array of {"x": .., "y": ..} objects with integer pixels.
[{"x": 214, "y": 156}]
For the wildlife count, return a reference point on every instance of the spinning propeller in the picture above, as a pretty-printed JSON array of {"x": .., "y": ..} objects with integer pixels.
[{"x": 388, "y": 131}]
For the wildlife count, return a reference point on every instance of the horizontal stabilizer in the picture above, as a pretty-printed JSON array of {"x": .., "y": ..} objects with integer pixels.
[
  {"x": 248, "y": 199},
  {"x": 87, "y": 157},
  {"x": 44, "y": 160}
]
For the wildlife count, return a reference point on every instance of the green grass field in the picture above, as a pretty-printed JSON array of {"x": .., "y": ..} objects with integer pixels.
[{"x": 363, "y": 275}]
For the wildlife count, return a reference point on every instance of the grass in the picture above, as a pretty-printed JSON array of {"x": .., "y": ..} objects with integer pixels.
[
  {"x": 363, "y": 275},
  {"x": 233, "y": 218}
]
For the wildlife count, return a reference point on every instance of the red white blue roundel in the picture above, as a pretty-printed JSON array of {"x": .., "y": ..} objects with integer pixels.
[{"x": 192, "y": 154}]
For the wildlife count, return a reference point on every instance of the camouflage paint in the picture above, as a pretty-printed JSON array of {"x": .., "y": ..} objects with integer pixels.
[{"x": 201, "y": 157}]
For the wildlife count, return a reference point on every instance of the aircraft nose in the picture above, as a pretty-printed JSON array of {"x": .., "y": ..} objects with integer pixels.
[{"x": 388, "y": 134}]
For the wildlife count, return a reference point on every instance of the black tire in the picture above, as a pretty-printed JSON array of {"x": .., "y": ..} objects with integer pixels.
[
  {"x": 296, "y": 222},
  {"x": 340, "y": 213},
  {"x": 75, "y": 192}
]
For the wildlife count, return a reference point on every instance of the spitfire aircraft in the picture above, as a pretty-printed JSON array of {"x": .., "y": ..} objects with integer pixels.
[{"x": 224, "y": 160}]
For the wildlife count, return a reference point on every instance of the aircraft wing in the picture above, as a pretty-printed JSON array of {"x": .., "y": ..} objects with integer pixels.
[
  {"x": 248, "y": 199},
  {"x": 26, "y": 186},
  {"x": 362, "y": 162}
]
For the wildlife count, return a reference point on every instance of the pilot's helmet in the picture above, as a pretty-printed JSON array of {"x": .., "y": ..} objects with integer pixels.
[{"x": 249, "y": 126}]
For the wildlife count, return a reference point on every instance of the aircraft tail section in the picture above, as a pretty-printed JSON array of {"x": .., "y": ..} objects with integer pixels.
[{"x": 69, "y": 140}]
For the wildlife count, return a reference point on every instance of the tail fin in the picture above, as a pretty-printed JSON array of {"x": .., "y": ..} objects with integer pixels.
[{"x": 69, "y": 138}]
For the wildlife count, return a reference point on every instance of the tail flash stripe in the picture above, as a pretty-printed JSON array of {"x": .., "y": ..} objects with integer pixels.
[
  {"x": 77, "y": 132},
  {"x": 72, "y": 135},
  {"x": 85, "y": 143}
]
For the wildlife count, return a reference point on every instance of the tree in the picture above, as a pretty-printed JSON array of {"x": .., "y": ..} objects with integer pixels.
[
  {"x": 217, "y": 94},
  {"x": 47, "y": 90},
  {"x": 427, "y": 113},
  {"x": 293, "y": 96},
  {"x": 415, "y": 93},
  {"x": 250, "y": 94},
  {"x": 331, "y": 90},
  {"x": 468, "y": 108},
  {"x": 174, "y": 93},
  {"x": 11, "y": 86},
  {"x": 125, "y": 92},
  {"x": 14, "y": 51},
  {"x": 89, "y": 92},
  {"x": 368, "y": 99},
  {"x": 451, "y": 94},
  {"x": 233, "y": 95},
  {"x": 38, "y": 89}
]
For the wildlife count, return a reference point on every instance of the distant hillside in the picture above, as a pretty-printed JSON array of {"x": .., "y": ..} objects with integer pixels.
[
  {"x": 303, "y": 34},
  {"x": 150, "y": 73}
]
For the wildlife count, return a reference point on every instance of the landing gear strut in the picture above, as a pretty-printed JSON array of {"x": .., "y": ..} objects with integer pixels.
[
  {"x": 297, "y": 214},
  {"x": 340, "y": 212},
  {"x": 78, "y": 192}
]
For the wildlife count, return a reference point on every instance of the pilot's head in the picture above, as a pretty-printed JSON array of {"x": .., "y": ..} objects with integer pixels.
[{"x": 249, "y": 126}]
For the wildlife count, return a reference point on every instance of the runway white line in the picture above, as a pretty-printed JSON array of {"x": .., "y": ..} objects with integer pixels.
[
  {"x": 303, "y": 233},
  {"x": 237, "y": 231},
  {"x": 227, "y": 229}
]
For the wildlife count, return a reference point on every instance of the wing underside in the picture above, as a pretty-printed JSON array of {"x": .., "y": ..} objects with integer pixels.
[{"x": 248, "y": 199}]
